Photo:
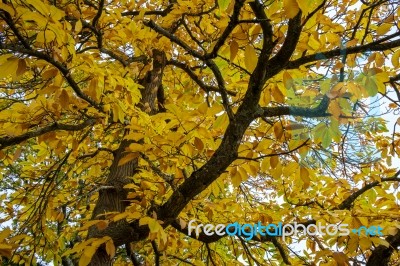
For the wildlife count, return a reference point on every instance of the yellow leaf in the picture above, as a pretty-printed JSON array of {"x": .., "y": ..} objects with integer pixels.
[
  {"x": 336, "y": 91},
  {"x": 78, "y": 26},
  {"x": 278, "y": 130},
  {"x": 236, "y": 179},
  {"x": 144, "y": 220},
  {"x": 88, "y": 224},
  {"x": 382, "y": 29},
  {"x": 277, "y": 94},
  {"x": 287, "y": 80},
  {"x": 305, "y": 176},
  {"x": 291, "y": 8},
  {"x": 379, "y": 241},
  {"x": 7, "y": 8},
  {"x": 134, "y": 215},
  {"x": 250, "y": 58},
  {"x": 306, "y": 5},
  {"x": 60, "y": 217},
  {"x": 5, "y": 250},
  {"x": 381, "y": 79},
  {"x": 266, "y": 99},
  {"x": 40, "y": 6},
  {"x": 45, "y": 36},
  {"x": 352, "y": 43},
  {"x": 64, "y": 98},
  {"x": 154, "y": 226},
  {"x": 352, "y": 244},
  {"x": 127, "y": 158},
  {"x": 294, "y": 126},
  {"x": 198, "y": 143},
  {"x": 255, "y": 32},
  {"x": 110, "y": 248},
  {"x": 8, "y": 66},
  {"x": 5, "y": 233},
  {"x": 21, "y": 67},
  {"x": 50, "y": 73},
  {"x": 340, "y": 258},
  {"x": 87, "y": 255},
  {"x": 234, "y": 48},
  {"x": 135, "y": 136},
  {"x": 391, "y": 230},
  {"x": 120, "y": 216},
  {"x": 313, "y": 43},
  {"x": 274, "y": 160},
  {"x": 221, "y": 122},
  {"x": 136, "y": 147},
  {"x": 102, "y": 224},
  {"x": 265, "y": 165},
  {"x": 223, "y": 4},
  {"x": 365, "y": 243},
  {"x": 395, "y": 58}
]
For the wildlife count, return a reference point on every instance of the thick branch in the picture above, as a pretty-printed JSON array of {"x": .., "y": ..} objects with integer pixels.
[
  {"x": 98, "y": 14},
  {"x": 319, "y": 111},
  {"x": 346, "y": 204},
  {"x": 289, "y": 45},
  {"x": 381, "y": 255},
  {"x": 374, "y": 46},
  {"x": 268, "y": 44}
]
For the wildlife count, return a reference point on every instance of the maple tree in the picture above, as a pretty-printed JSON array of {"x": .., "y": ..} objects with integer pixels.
[{"x": 121, "y": 121}]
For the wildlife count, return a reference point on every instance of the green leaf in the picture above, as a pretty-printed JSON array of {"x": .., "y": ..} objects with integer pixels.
[
  {"x": 326, "y": 139},
  {"x": 223, "y": 4}
]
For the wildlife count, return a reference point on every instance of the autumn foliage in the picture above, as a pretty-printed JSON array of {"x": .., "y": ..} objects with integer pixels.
[{"x": 121, "y": 121}]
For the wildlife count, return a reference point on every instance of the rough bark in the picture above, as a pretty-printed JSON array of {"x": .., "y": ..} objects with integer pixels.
[
  {"x": 381, "y": 254},
  {"x": 113, "y": 198}
]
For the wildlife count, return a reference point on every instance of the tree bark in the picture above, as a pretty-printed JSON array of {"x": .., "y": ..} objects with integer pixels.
[
  {"x": 381, "y": 254},
  {"x": 113, "y": 198}
]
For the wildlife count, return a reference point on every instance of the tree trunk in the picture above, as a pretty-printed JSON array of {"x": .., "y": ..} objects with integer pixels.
[
  {"x": 381, "y": 254},
  {"x": 113, "y": 198}
]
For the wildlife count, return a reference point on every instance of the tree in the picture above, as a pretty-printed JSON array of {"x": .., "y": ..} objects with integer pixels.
[{"x": 122, "y": 121}]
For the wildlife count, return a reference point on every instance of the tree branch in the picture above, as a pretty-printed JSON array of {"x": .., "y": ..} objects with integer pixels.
[
  {"x": 156, "y": 253},
  {"x": 231, "y": 25},
  {"x": 195, "y": 78},
  {"x": 151, "y": 24},
  {"x": 318, "y": 111},
  {"x": 374, "y": 46},
  {"x": 221, "y": 85},
  {"x": 281, "y": 58},
  {"x": 28, "y": 50},
  {"x": 257, "y": 78},
  {"x": 8, "y": 141},
  {"x": 346, "y": 204},
  {"x": 381, "y": 255}
]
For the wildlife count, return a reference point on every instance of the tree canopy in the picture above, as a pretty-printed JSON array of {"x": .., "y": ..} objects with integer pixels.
[{"x": 122, "y": 121}]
